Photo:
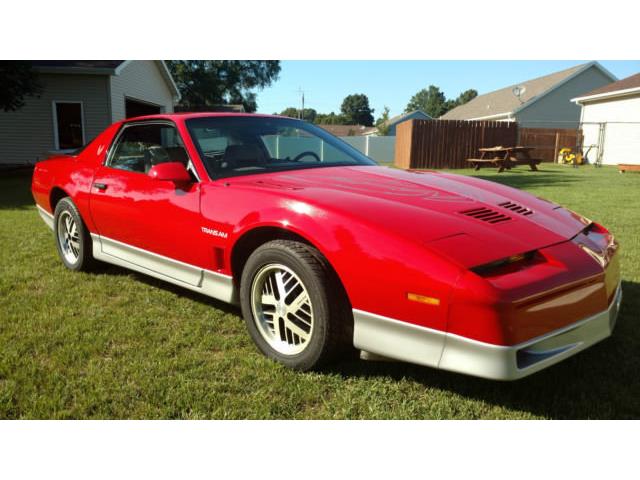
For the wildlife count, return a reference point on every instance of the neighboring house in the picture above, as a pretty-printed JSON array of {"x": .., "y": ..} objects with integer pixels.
[
  {"x": 610, "y": 121},
  {"x": 544, "y": 102},
  {"x": 348, "y": 130},
  {"x": 80, "y": 98},
  {"x": 393, "y": 122}
]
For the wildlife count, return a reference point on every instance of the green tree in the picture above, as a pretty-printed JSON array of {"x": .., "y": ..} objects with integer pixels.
[
  {"x": 449, "y": 105},
  {"x": 466, "y": 96},
  {"x": 383, "y": 122},
  {"x": 330, "y": 119},
  {"x": 17, "y": 81},
  {"x": 430, "y": 100},
  {"x": 205, "y": 83},
  {"x": 356, "y": 110},
  {"x": 309, "y": 113}
]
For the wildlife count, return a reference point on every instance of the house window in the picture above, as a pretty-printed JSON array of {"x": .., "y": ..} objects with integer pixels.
[{"x": 68, "y": 129}]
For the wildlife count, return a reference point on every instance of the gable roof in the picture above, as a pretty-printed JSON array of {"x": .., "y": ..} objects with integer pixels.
[
  {"x": 503, "y": 102},
  {"x": 627, "y": 85},
  {"x": 402, "y": 116},
  {"x": 99, "y": 67},
  {"x": 78, "y": 66}
]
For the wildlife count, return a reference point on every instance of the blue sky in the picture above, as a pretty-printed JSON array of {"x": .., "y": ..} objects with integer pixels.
[{"x": 392, "y": 83}]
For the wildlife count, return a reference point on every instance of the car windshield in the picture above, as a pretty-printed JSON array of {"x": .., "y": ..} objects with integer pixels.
[{"x": 232, "y": 146}]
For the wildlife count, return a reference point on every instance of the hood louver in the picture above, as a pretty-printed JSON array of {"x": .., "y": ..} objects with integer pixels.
[
  {"x": 514, "y": 207},
  {"x": 486, "y": 215}
]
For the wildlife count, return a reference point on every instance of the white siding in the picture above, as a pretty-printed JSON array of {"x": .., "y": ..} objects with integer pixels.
[
  {"x": 27, "y": 135},
  {"x": 621, "y": 118},
  {"x": 613, "y": 110},
  {"x": 591, "y": 132},
  {"x": 556, "y": 110},
  {"x": 140, "y": 80}
]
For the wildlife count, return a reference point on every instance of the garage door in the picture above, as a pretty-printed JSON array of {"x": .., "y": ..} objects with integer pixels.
[{"x": 135, "y": 108}]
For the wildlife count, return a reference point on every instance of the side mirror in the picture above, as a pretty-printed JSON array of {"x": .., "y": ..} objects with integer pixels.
[{"x": 170, "y": 171}]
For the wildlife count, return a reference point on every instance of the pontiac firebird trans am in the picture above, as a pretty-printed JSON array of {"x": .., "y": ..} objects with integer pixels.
[{"x": 327, "y": 253}]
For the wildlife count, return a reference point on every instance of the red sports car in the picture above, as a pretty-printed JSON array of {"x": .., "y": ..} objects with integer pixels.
[{"x": 327, "y": 252}]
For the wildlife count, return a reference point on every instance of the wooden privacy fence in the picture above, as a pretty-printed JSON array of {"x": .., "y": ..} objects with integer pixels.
[
  {"x": 547, "y": 142},
  {"x": 448, "y": 143}
]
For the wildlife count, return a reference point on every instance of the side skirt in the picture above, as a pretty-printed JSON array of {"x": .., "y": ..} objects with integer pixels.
[
  {"x": 212, "y": 284},
  {"x": 46, "y": 216}
]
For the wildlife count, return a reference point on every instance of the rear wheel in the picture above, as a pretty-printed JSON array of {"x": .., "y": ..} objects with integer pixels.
[
  {"x": 72, "y": 237},
  {"x": 295, "y": 309}
]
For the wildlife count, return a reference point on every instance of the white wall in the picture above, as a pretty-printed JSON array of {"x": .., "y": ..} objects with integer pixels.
[
  {"x": 621, "y": 118},
  {"x": 381, "y": 149},
  {"x": 624, "y": 109},
  {"x": 140, "y": 80},
  {"x": 27, "y": 135}
]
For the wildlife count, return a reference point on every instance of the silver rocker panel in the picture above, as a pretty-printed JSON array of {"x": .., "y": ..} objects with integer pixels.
[{"x": 212, "y": 284}]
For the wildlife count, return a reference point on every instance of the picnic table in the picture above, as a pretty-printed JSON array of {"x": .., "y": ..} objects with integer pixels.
[{"x": 505, "y": 158}]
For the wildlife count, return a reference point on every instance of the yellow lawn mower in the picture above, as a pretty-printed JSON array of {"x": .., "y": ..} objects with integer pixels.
[{"x": 567, "y": 157}]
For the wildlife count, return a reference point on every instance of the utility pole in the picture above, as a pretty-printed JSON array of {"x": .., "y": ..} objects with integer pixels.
[{"x": 301, "y": 92}]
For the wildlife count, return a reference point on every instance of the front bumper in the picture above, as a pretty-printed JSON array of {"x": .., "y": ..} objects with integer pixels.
[
  {"x": 510, "y": 363},
  {"x": 402, "y": 341}
]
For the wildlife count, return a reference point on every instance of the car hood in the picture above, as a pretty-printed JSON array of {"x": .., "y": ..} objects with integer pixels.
[{"x": 438, "y": 209}]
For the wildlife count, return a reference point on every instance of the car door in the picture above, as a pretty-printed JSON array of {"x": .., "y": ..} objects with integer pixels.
[{"x": 154, "y": 224}]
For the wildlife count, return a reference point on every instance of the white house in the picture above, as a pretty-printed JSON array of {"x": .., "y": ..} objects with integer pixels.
[
  {"x": 543, "y": 102},
  {"x": 79, "y": 99},
  {"x": 610, "y": 121}
]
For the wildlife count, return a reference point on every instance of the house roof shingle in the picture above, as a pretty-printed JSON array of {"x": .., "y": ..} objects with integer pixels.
[
  {"x": 626, "y": 83},
  {"x": 81, "y": 64},
  {"x": 504, "y": 101},
  {"x": 398, "y": 118}
]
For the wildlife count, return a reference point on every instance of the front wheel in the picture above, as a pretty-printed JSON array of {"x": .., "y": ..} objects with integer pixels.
[{"x": 296, "y": 311}]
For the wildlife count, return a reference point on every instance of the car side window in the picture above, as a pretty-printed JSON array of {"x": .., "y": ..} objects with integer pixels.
[{"x": 140, "y": 147}]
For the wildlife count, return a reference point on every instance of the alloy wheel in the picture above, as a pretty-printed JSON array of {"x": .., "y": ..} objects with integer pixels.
[{"x": 282, "y": 309}]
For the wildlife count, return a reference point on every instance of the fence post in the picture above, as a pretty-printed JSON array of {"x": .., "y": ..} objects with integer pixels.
[{"x": 555, "y": 150}]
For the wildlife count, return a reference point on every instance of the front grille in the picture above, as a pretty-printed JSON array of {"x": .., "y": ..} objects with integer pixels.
[
  {"x": 514, "y": 207},
  {"x": 486, "y": 215}
]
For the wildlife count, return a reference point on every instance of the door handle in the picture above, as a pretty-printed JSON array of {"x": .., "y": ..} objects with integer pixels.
[{"x": 100, "y": 186}]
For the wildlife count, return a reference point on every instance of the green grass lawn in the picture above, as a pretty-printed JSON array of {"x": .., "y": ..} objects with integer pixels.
[{"x": 117, "y": 344}]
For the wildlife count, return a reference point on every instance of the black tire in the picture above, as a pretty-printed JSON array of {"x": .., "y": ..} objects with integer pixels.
[
  {"x": 332, "y": 333},
  {"x": 84, "y": 260}
]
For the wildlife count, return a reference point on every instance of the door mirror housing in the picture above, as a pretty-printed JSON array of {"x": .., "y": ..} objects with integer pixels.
[{"x": 170, "y": 171}]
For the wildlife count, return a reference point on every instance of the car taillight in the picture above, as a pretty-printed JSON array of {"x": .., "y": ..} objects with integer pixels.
[{"x": 508, "y": 265}]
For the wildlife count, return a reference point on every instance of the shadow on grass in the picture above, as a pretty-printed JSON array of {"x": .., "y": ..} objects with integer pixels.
[
  {"x": 169, "y": 287},
  {"x": 602, "y": 382},
  {"x": 15, "y": 191},
  {"x": 525, "y": 179}
]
